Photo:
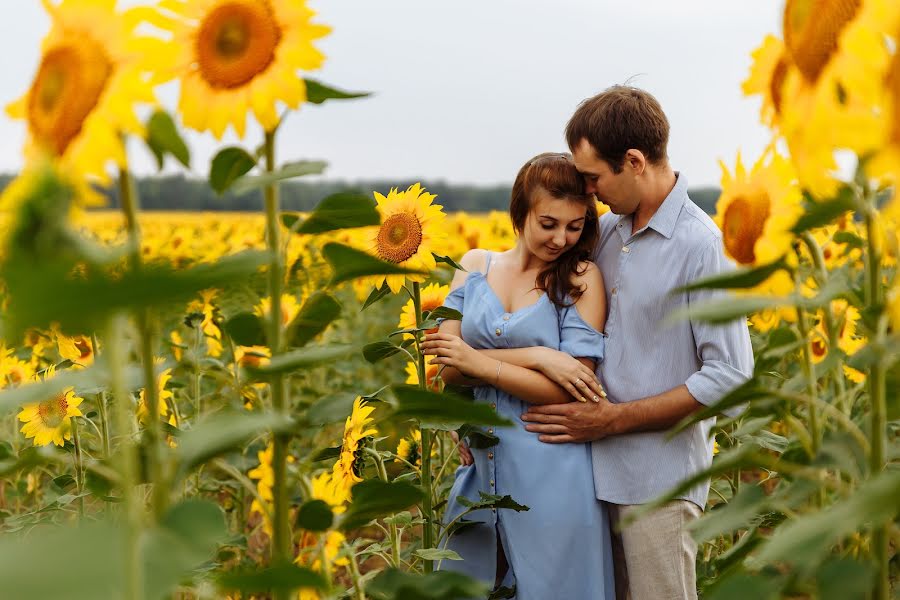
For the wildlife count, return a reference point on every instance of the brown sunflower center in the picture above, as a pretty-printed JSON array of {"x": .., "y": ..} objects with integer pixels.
[
  {"x": 236, "y": 42},
  {"x": 83, "y": 347},
  {"x": 819, "y": 348},
  {"x": 399, "y": 237},
  {"x": 53, "y": 411},
  {"x": 812, "y": 29},
  {"x": 743, "y": 224},
  {"x": 777, "y": 81},
  {"x": 67, "y": 87}
]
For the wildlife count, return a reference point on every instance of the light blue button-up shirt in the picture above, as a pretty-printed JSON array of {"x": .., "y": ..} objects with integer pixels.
[{"x": 645, "y": 355}]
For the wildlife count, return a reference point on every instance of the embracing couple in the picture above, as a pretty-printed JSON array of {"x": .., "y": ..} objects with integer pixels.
[{"x": 565, "y": 335}]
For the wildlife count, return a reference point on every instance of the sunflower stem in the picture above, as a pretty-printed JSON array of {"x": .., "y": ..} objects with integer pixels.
[
  {"x": 281, "y": 538},
  {"x": 876, "y": 383},
  {"x": 126, "y": 453},
  {"x": 78, "y": 465},
  {"x": 818, "y": 258},
  {"x": 427, "y": 502},
  {"x": 382, "y": 474},
  {"x": 102, "y": 408},
  {"x": 809, "y": 372},
  {"x": 159, "y": 492}
]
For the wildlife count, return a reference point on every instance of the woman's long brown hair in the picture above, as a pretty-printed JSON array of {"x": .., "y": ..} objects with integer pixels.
[{"x": 556, "y": 174}]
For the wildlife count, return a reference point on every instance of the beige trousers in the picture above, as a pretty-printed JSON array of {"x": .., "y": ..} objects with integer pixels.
[{"x": 655, "y": 556}]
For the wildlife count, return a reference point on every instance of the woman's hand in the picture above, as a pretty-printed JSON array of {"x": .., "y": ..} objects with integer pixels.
[
  {"x": 572, "y": 375},
  {"x": 451, "y": 350}
]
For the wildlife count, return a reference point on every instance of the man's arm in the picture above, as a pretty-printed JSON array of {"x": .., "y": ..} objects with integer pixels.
[{"x": 579, "y": 422}]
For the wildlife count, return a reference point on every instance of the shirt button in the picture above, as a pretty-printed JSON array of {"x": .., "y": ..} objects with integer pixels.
[
  {"x": 492, "y": 483},
  {"x": 493, "y": 405},
  {"x": 490, "y": 456},
  {"x": 491, "y": 430},
  {"x": 613, "y": 291},
  {"x": 497, "y": 331},
  {"x": 506, "y": 317},
  {"x": 626, "y": 249}
]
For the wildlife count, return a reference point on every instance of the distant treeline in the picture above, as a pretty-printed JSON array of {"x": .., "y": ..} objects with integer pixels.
[{"x": 177, "y": 192}]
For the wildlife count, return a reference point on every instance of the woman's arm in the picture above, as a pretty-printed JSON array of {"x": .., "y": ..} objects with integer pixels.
[
  {"x": 559, "y": 367},
  {"x": 473, "y": 260},
  {"x": 468, "y": 364}
]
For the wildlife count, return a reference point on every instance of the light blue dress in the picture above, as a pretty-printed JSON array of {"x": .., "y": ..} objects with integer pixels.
[{"x": 560, "y": 547}]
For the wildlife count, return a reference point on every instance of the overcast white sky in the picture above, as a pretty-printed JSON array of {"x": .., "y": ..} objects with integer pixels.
[{"x": 466, "y": 91}]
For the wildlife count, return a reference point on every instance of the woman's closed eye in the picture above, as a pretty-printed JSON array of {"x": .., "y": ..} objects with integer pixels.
[{"x": 572, "y": 229}]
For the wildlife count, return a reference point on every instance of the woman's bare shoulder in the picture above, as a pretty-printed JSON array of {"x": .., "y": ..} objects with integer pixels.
[{"x": 474, "y": 260}]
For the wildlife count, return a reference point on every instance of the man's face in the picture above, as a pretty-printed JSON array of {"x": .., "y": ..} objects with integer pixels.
[{"x": 617, "y": 191}]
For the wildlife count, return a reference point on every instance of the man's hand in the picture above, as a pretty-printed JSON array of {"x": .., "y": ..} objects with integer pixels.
[
  {"x": 465, "y": 455},
  {"x": 572, "y": 375},
  {"x": 572, "y": 422}
]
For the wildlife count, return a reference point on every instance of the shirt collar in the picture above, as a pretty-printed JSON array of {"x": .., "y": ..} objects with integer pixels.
[{"x": 663, "y": 220}]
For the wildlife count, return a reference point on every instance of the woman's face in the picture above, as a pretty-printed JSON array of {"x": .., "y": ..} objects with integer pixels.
[{"x": 553, "y": 225}]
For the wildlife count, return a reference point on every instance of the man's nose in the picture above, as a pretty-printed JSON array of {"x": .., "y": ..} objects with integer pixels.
[{"x": 590, "y": 187}]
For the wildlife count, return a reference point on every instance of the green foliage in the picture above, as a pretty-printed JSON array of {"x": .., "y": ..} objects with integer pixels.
[
  {"x": 163, "y": 138},
  {"x": 229, "y": 165},
  {"x": 373, "y": 498}
]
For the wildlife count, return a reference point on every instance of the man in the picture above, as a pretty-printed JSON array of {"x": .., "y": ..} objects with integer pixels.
[{"x": 654, "y": 240}]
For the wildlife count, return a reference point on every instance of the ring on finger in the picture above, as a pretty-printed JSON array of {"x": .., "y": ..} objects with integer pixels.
[{"x": 578, "y": 381}]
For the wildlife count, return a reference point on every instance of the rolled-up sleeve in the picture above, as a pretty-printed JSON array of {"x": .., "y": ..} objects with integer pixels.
[{"x": 724, "y": 350}]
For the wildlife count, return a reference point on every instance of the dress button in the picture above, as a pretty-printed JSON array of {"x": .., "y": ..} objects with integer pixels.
[
  {"x": 506, "y": 317},
  {"x": 497, "y": 331},
  {"x": 490, "y": 456}
]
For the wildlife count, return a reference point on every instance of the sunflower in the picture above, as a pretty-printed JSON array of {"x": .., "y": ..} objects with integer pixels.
[
  {"x": 51, "y": 420},
  {"x": 411, "y": 229},
  {"x": 845, "y": 318},
  {"x": 767, "y": 73},
  {"x": 290, "y": 307},
  {"x": 264, "y": 476},
  {"x": 431, "y": 376},
  {"x": 232, "y": 56},
  {"x": 252, "y": 356},
  {"x": 163, "y": 395},
  {"x": 818, "y": 95},
  {"x": 13, "y": 371},
  {"x": 432, "y": 296},
  {"x": 209, "y": 323},
  {"x": 322, "y": 487},
  {"x": 757, "y": 210},
  {"x": 347, "y": 470},
  {"x": 79, "y": 349},
  {"x": 309, "y": 548},
  {"x": 409, "y": 448},
  {"x": 84, "y": 91}
]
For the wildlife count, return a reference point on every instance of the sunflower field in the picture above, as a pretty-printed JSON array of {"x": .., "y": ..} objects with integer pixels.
[{"x": 226, "y": 405}]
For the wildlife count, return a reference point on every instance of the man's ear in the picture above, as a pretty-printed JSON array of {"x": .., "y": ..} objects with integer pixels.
[{"x": 636, "y": 161}]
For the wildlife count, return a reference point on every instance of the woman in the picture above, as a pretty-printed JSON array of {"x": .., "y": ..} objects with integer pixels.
[{"x": 544, "y": 293}]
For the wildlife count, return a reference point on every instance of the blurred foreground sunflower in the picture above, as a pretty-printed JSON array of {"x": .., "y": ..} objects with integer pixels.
[
  {"x": 757, "y": 210},
  {"x": 232, "y": 56},
  {"x": 83, "y": 94}
]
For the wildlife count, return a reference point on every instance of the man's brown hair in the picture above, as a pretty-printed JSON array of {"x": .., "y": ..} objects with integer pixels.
[{"x": 617, "y": 119}]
